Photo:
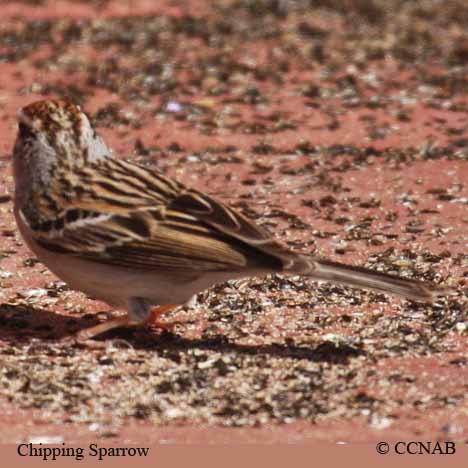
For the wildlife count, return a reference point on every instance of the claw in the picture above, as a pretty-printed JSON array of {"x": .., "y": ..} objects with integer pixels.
[
  {"x": 156, "y": 312},
  {"x": 168, "y": 326},
  {"x": 84, "y": 337}
]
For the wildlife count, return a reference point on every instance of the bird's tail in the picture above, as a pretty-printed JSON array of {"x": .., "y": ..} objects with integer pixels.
[{"x": 325, "y": 270}]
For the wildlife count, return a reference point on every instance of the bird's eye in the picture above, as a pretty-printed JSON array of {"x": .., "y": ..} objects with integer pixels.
[{"x": 25, "y": 131}]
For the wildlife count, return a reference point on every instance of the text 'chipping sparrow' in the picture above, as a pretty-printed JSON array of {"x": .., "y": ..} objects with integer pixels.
[{"x": 135, "y": 239}]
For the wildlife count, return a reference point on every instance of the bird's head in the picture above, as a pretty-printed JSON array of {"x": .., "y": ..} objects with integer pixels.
[{"x": 54, "y": 133}]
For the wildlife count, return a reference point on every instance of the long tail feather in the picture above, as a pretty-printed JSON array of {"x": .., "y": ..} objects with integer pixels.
[{"x": 338, "y": 273}]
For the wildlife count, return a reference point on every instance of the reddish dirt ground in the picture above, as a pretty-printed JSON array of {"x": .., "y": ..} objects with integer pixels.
[{"x": 342, "y": 129}]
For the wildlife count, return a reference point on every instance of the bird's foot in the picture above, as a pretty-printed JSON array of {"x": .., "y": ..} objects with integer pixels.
[
  {"x": 165, "y": 326},
  {"x": 83, "y": 338},
  {"x": 153, "y": 320}
]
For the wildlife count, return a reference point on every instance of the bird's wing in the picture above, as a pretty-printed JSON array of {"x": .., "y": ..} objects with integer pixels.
[{"x": 141, "y": 220}]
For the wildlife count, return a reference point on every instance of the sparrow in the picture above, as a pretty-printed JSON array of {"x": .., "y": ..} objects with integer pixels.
[{"x": 140, "y": 241}]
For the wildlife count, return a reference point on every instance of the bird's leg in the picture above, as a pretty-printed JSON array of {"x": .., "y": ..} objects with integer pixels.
[
  {"x": 140, "y": 312},
  {"x": 156, "y": 312},
  {"x": 84, "y": 337},
  {"x": 91, "y": 332}
]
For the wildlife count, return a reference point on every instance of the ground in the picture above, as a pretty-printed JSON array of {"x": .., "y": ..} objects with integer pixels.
[{"x": 341, "y": 128}]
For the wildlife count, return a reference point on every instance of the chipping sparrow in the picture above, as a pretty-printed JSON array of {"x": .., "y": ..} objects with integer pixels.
[{"x": 135, "y": 239}]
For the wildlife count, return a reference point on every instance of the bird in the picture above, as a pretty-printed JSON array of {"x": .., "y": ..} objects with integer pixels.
[{"x": 142, "y": 242}]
